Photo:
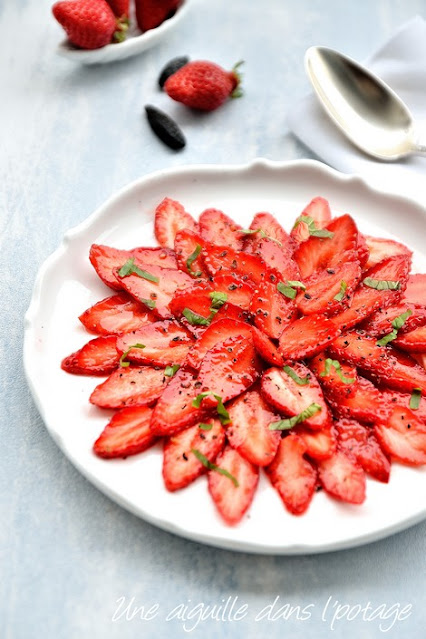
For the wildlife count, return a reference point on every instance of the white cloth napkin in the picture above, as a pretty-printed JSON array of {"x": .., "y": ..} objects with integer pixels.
[{"x": 401, "y": 63}]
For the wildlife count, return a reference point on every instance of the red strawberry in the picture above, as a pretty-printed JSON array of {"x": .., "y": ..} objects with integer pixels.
[
  {"x": 383, "y": 363},
  {"x": 218, "y": 228},
  {"x": 266, "y": 348},
  {"x": 403, "y": 436},
  {"x": 249, "y": 267},
  {"x": 171, "y": 217},
  {"x": 268, "y": 226},
  {"x": 238, "y": 291},
  {"x": 394, "y": 398},
  {"x": 126, "y": 434},
  {"x": 89, "y": 24},
  {"x": 97, "y": 357},
  {"x": 165, "y": 343},
  {"x": 380, "y": 322},
  {"x": 188, "y": 245},
  {"x": 292, "y": 397},
  {"x": 120, "y": 8},
  {"x": 248, "y": 431},
  {"x": 105, "y": 260},
  {"x": 420, "y": 359},
  {"x": 155, "y": 295},
  {"x": 174, "y": 410},
  {"x": 362, "y": 250},
  {"x": 382, "y": 249},
  {"x": 320, "y": 444},
  {"x": 329, "y": 290},
  {"x": 228, "y": 369},
  {"x": 115, "y": 315},
  {"x": 203, "y": 85},
  {"x": 292, "y": 475},
  {"x": 230, "y": 311},
  {"x": 342, "y": 478},
  {"x": 276, "y": 258},
  {"x": 132, "y": 386},
  {"x": 180, "y": 466},
  {"x": 216, "y": 333},
  {"x": 307, "y": 336},
  {"x": 416, "y": 289},
  {"x": 233, "y": 501},
  {"x": 319, "y": 210},
  {"x": 271, "y": 309},
  {"x": 360, "y": 443},
  {"x": 318, "y": 253},
  {"x": 151, "y": 13},
  {"x": 413, "y": 341}
]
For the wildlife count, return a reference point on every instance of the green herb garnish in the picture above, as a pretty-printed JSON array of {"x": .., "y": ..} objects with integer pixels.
[
  {"x": 220, "y": 408},
  {"x": 130, "y": 268},
  {"x": 341, "y": 294},
  {"x": 149, "y": 303},
  {"x": 192, "y": 258},
  {"x": 218, "y": 299},
  {"x": 169, "y": 371},
  {"x": 337, "y": 367},
  {"x": 313, "y": 230},
  {"x": 123, "y": 362},
  {"x": 415, "y": 398},
  {"x": 208, "y": 464},
  {"x": 302, "y": 381},
  {"x": 286, "y": 424},
  {"x": 195, "y": 319},
  {"x": 289, "y": 289},
  {"x": 203, "y": 426},
  {"x": 382, "y": 285},
  {"x": 397, "y": 323}
]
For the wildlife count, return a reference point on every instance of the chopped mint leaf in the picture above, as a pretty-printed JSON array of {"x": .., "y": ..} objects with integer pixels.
[
  {"x": 149, "y": 303},
  {"x": 289, "y": 289},
  {"x": 169, "y": 371},
  {"x": 130, "y": 268},
  {"x": 336, "y": 365},
  {"x": 218, "y": 299},
  {"x": 123, "y": 362},
  {"x": 382, "y": 285},
  {"x": 302, "y": 381},
  {"x": 192, "y": 258},
  {"x": 296, "y": 284},
  {"x": 195, "y": 319},
  {"x": 220, "y": 408},
  {"x": 387, "y": 338},
  {"x": 313, "y": 230},
  {"x": 205, "y": 426},
  {"x": 341, "y": 294},
  {"x": 208, "y": 464},
  {"x": 286, "y": 424},
  {"x": 397, "y": 323},
  {"x": 415, "y": 398}
]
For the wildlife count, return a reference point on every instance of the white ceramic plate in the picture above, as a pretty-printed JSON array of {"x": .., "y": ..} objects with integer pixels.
[
  {"x": 67, "y": 284},
  {"x": 135, "y": 43}
]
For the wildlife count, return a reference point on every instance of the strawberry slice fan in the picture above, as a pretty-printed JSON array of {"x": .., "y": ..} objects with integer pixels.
[{"x": 299, "y": 355}]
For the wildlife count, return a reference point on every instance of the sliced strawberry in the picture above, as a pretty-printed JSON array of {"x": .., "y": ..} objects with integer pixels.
[
  {"x": 267, "y": 225},
  {"x": 362, "y": 250},
  {"x": 132, "y": 386},
  {"x": 233, "y": 501},
  {"x": 128, "y": 433},
  {"x": 320, "y": 444},
  {"x": 420, "y": 359},
  {"x": 360, "y": 443},
  {"x": 292, "y": 398},
  {"x": 216, "y": 333},
  {"x": 228, "y": 369},
  {"x": 342, "y": 478},
  {"x": 307, "y": 336},
  {"x": 403, "y": 436},
  {"x": 380, "y": 322},
  {"x": 115, "y": 315},
  {"x": 271, "y": 309},
  {"x": 97, "y": 357},
  {"x": 174, "y": 410},
  {"x": 196, "y": 298},
  {"x": 248, "y": 431},
  {"x": 367, "y": 300},
  {"x": 157, "y": 294},
  {"x": 394, "y": 398},
  {"x": 218, "y": 228},
  {"x": 319, "y": 253},
  {"x": 188, "y": 245},
  {"x": 180, "y": 466},
  {"x": 292, "y": 475},
  {"x": 164, "y": 343},
  {"x": 105, "y": 260},
  {"x": 413, "y": 342},
  {"x": 330, "y": 290},
  {"x": 276, "y": 258},
  {"x": 384, "y": 364},
  {"x": 171, "y": 217},
  {"x": 239, "y": 291},
  {"x": 319, "y": 210},
  {"x": 382, "y": 249},
  {"x": 266, "y": 348},
  {"x": 416, "y": 289},
  {"x": 232, "y": 312},
  {"x": 219, "y": 258}
]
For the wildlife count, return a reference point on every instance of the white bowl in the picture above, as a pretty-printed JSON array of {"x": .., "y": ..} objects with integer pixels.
[{"x": 133, "y": 45}]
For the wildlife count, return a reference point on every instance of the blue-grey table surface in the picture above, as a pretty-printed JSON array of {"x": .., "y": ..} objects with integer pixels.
[{"x": 71, "y": 136}]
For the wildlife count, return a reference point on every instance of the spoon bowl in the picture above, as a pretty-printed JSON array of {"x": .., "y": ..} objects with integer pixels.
[{"x": 365, "y": 109}]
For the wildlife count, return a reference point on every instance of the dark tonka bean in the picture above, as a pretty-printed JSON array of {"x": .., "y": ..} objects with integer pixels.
[
  {"x": 165, "y": 128},
  {"x": 171, "y": 67}
]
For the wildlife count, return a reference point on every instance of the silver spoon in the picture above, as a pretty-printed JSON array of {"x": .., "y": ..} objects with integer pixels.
[{"x": 366, "y": 110}]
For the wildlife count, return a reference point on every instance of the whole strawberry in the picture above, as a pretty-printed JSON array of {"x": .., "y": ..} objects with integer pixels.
[
  {"x": 151, "y": 13},
  {"x": 203, "y": 85},
  {"x": 120, "y": 8},
  {"x": 89, "y": 24}
]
